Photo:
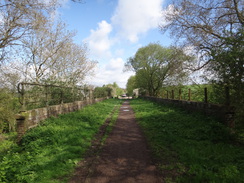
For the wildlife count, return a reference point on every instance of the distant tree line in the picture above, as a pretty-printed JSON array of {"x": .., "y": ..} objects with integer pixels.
[{"x": 110, "y": 90}]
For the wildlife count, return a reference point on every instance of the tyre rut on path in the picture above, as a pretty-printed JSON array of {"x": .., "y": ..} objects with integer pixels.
[{"x": 124, "y": 158}]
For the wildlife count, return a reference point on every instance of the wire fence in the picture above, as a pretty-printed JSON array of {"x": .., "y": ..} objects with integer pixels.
[{"x": 34, "y": 95}]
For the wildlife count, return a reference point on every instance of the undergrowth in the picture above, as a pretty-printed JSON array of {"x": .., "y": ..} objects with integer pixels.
[
  {"x": 190, "y": 147},
  {"x": 50, "y": 152}
]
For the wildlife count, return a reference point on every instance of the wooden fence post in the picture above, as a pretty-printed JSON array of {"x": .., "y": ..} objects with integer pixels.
[
  {"x": 205, "y": 95},
  {"x": 46, "y": 95},
  {"x": 62, "y": 96},
  {"x": 24, "y": 100},
  {"x": 167, "y": 94},
  {"x": 179, "y": 94},
  {"x": 189, "y": 94}
]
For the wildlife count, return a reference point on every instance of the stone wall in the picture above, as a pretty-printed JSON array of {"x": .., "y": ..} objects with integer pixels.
[
  {"x": 29, "y": 119},
  {"x": 222, "y": 113}
]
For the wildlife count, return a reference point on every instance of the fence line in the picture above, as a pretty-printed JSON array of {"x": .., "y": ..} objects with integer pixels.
[
  {"x": 41, "y": 101},
  {"x": 31, "y": 118},
  {"x": 223, "y": 113},
  {"x": 166, "y": 94},
  {"x": 34, "y": 95}
]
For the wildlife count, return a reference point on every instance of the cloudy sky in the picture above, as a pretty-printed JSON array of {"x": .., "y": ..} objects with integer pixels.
[{"x": 113, "y": 31}]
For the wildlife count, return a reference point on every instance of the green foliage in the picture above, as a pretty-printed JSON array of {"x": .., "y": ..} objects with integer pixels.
[
  {"x": 8, "y": 107},
  {"x": 216, "y": 93},
  {"x": 190, "y": 147},
  {"x": 7, "y": 141},
  {"x": 131, "y": 85},
  {"x": 156, "y": 66},
  {"x": 197, "y": 93},
  {"x": 227, "y": 65},
  {"x": 100, "y": 92},
  {"x": 41, "y": 95},
  {"x": 115, "y": 89},
  {"x": 49, "y": 152}
]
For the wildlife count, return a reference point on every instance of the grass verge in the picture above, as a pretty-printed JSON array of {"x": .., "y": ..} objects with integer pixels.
[
  {"x": 190, "y": 147},
  {"x": 50, "y": 152}
]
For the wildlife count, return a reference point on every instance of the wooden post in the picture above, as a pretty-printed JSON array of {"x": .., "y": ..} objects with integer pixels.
[
  {"x": 167, "y": 94},
  {"x": 62, "y": 96},
  {"x": 205, "y": 95},
  {"x": 46, "y": 96},
  {"x": 73, "y": 93},
  {"x": 173, "y": 96},
  {"x": 23, "y": 100},
  {"x": 189, "y": 94},
  {"x": 179, "y": 94}
]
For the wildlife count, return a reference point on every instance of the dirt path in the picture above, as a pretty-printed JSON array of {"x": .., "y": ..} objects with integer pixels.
[{"x": 124, "y": 158}]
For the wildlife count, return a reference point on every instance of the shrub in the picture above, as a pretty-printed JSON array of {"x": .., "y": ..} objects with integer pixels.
[{"x": 8, "y": 108}]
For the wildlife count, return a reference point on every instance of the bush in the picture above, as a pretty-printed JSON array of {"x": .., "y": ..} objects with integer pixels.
[{"x": 8, "y": 108}]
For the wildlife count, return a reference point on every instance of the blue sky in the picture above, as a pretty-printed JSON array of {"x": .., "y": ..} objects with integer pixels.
[{"x": 113, "y": 31}]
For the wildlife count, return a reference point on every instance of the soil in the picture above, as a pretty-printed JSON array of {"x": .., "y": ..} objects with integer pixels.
[{"x": 124, "y": 158}]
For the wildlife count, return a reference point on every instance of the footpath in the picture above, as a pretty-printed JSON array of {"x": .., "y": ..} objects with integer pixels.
[{"x": 124, "y": 158}]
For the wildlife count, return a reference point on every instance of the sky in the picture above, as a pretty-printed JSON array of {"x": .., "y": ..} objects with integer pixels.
[{"x": 113, "y": 31}]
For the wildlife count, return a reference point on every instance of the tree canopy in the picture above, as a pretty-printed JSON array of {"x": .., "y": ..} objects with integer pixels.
[
  {"x": 131, "y": 85},
  {"x": 156, "y": 66},
  {"x": 215, "y": 29},
  {"x": 36, "y": 47}
]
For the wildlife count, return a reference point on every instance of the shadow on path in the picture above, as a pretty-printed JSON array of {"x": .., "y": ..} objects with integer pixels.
[{"x": 124, "y": 157}]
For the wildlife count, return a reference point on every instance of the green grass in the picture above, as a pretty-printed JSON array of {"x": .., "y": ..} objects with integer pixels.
[
  {"x": 49, "y": 152},
  {"x": 190, "y": 147}
]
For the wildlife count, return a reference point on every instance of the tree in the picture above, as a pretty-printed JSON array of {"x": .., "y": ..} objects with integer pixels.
[
  {"x": 100, "y": 92},
  {"x": 116, "y": 90},
  {"x": 156, "y": 66},
  {"x": 204, "y": 24},
  {"x": 18, "y": 18},
  {"x": 42, "y": 48},
  {"x": 215, "y": 29},
  {"x": 9, "y": 78},
  {"x": 131, "y": 85},
  {"x": 73, "y": 65},
  {"x": 49, "y": 55}
]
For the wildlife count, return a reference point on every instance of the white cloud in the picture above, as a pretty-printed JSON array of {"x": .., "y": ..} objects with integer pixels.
[
  {"x": 119, "y": 52},
  {"x": 99, "y": 42},
  {"x": 136, "y": 17},
  {"x": 115, "y": 64},
  {"x": 110, "y": 73},
  {"x": 130, "y": 20}
]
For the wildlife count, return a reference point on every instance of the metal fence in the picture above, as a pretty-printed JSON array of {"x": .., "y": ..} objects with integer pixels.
[{"x": 34, "y": 95}]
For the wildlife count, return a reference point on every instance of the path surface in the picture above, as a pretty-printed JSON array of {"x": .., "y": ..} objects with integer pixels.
[{"x": 125, "y": 157}]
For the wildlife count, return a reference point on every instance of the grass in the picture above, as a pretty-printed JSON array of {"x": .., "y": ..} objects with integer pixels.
[
  {"x": 50, "y": 152},
  {"x": 190, "y": 147},
  {"x": 113, "y": 119}
]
